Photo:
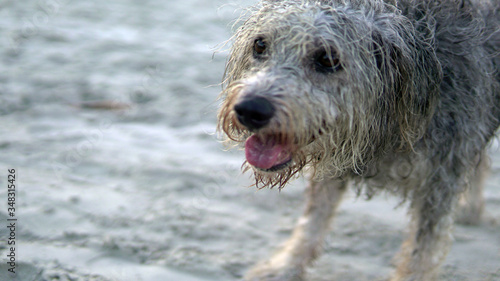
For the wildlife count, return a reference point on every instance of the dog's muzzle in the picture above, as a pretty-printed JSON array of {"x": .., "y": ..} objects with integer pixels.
[{"x": 264, "y": 152}]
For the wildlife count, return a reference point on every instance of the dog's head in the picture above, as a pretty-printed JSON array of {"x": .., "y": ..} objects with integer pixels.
[{"x": 326, "y": 84}]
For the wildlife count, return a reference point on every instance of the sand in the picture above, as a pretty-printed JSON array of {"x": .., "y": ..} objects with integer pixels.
[{"x": 108, "y": 113}]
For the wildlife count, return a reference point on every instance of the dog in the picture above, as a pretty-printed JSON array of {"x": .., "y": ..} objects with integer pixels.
[{"x": 395, "y": 95}]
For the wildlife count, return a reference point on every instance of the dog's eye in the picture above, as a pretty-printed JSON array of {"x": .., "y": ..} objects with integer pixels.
[
  {"x": 259, "y": 46},
  {"x": 327, "y": 63}
]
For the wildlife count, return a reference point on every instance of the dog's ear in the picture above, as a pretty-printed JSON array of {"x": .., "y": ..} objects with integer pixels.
[{"x": 411, "y": 74}]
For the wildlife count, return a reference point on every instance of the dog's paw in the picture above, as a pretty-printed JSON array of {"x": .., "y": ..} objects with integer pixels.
[{"x": 268, "y": 272}]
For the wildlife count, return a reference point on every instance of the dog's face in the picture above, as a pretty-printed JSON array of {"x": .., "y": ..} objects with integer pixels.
[{"x": 311, "y": 83}]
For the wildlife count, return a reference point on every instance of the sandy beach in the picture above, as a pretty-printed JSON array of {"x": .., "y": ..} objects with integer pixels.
[{"x": 108, "y": 113}]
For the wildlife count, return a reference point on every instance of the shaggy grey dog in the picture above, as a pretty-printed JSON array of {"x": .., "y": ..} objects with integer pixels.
[{"x": 399, "y": 95}]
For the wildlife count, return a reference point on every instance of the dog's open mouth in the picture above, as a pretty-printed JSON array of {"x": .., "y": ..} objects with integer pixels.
[{"x": 267, "y": 154}]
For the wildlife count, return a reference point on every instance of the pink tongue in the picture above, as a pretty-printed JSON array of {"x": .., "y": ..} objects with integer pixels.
[{"x": 265, "y": 155}]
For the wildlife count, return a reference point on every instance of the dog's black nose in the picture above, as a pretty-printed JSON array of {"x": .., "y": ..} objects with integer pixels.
[{"x": 254, "y": 113}]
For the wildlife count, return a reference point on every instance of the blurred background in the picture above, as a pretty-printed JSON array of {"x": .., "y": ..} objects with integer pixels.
[{"x": 108, "y": 115}]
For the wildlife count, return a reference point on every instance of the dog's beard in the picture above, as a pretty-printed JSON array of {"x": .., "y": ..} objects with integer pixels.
[
  {"x": 290, "y": 149},
  {"x": 280, "y": 177}
]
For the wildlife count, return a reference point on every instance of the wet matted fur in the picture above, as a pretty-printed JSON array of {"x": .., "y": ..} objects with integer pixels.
[{"x": 397, "y": 95}]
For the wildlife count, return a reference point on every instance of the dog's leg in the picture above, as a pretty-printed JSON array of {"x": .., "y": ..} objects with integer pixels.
[
  {"x": 430, "y": 235},
  {"x": 471, "y": 204},
  {"x": 304, "y": 245}
]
